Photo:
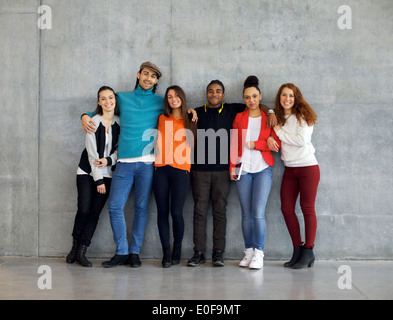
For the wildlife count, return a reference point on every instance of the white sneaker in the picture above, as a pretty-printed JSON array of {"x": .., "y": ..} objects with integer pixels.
[
  {"x": 257, "y": 260},
  {"x": 247, "y": 259}
]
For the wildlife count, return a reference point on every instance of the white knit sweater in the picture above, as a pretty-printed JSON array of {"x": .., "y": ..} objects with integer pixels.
[{"x": 296, "y": 147}]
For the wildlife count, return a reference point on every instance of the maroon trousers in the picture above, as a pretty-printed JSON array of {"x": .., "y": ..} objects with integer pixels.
[{"x": 303, "y": 181}]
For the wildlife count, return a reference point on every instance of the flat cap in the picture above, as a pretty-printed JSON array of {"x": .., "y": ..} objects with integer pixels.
[{"x": 151, "y": 66}]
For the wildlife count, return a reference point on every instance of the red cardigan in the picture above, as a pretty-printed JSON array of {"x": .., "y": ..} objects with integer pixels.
[{"x": 241, "y": 124}]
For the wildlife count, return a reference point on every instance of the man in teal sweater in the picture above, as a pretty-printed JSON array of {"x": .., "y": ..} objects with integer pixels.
[{"x": 139, "y": 111}]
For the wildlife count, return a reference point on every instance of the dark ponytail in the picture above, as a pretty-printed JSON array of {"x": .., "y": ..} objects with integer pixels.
[{"x": 99, "y": 108}]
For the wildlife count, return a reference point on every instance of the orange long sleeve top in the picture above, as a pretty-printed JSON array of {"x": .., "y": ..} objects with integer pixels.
[{"x": 172, "y": 147}]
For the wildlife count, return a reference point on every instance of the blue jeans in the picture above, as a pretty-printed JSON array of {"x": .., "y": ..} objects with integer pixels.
[
  {"x": 253, "y": 190},
  {"x": 124, "y": 177}
]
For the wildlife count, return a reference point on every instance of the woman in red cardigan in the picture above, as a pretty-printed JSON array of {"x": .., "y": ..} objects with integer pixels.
[{"x": 251, "y": 145}]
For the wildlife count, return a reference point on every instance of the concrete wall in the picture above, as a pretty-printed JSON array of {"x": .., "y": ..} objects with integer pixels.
[{"x": 49, "y": 77}]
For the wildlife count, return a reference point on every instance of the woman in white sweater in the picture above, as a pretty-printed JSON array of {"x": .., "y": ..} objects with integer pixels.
[{"x": 296, "y": 121}]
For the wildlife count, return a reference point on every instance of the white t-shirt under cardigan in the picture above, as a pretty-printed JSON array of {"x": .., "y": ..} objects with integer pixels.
[
  {"x": 252, "y": 159},
  {"x": 91, "y": 147}
]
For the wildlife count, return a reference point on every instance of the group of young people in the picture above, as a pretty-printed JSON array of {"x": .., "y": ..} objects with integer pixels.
[{"x": 166, "y": 147}]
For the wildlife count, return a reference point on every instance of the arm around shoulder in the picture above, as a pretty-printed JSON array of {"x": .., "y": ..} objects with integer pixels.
[{"x": 88, "y": 124}]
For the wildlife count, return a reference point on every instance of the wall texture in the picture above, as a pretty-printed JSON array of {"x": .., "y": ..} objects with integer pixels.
[{"x": 50, "y": 76}]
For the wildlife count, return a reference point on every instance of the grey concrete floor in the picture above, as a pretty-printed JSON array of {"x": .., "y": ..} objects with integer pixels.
[{"x": 21, "y": 278}]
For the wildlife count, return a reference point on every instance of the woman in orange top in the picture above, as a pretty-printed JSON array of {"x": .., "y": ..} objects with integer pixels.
[{"x": 171, "y": 182}]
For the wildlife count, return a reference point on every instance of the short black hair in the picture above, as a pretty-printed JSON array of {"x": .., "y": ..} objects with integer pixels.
[{"x": 216, "y": 82}]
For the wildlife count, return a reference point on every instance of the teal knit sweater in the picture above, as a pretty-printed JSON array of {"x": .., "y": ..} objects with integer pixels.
[{"x": 139, "y": 111}]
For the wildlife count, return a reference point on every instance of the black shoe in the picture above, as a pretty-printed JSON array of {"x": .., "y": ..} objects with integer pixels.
[
  {"x": 297, "y": 252},
  {"x": 81, "y": 256},
  {"x": 306, "y": 259},
  {"x": 176, "y": 254},
  {"x": 166, "y": 259},
  {"x": 197, "y": 259},
  {"x": 218, "y": 258},
  {"x": 134, "y": 260},
  {"x": 72, "y": 255},
  {"x": 117, "y": 260}
]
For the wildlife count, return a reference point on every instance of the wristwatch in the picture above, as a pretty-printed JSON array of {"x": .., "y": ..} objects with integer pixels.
[{"x": 271, "y": 111}]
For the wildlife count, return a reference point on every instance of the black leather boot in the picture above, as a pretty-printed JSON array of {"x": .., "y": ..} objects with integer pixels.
[
  {"x": 72, "y": 255},
  {"x": 166, "y": 260},
  {"x": 81, "y": 256},
  {"x": 176, "y": 254},
  {"x": 306, "y": 259},
  {"x": 297, "y": 252}
]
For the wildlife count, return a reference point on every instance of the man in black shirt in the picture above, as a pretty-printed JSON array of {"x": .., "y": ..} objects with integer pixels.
[{"x": 210, "y": 170}]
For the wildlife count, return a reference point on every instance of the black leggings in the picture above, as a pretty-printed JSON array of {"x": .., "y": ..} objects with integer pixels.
[
  {"x": 170, "y": 186},
  {"x": 90, "y": 205}
]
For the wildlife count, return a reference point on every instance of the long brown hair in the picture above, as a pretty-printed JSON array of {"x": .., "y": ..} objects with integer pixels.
[
  {"x": 188, "y": 124},
  {"x": 301, "y": 109}
]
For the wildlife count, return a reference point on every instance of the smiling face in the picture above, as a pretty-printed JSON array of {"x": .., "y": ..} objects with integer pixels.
[
  {"x": 107, "y": 100},
  {"x": 215, "y": 95},
  {"x": 287, "y": 100},
  {"x": 174, "y": 100},
  {"x": 147, "y": 78},
  {"x": 252, "y": 97}
]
